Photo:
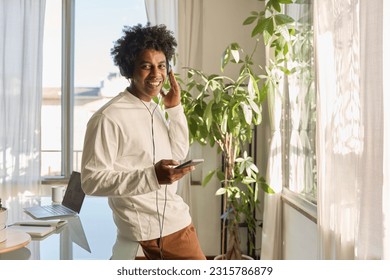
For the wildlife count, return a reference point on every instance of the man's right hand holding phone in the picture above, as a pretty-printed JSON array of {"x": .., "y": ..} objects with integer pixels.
[{"x": 167, "y": 173}]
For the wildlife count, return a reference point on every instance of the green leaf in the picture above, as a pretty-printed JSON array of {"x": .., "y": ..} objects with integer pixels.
[
  {"x": 220, "y": 175},
  {"x": 247, "y": 112},
  {"x": 224, "y": 123},
  {"x": 286, "y": 1},
  {"x": 249, "y": 20},
  {"x": 254, "y": 106},
  {"x": 254, "y": 168},
  {"x": 251, "y": 88},
  {"x": 266, "y": 188},
  {"x": 208, "y": 115},
  {"x": 270, "y": 27},
  {"x": 225, "y": 58},
  {"x": 282, "y": 19},
  {"x": 276, "y": 5},
  {"x": 208, "y": 177},
  {"x": 262, "y": 24},
  {"x": 234, "y": 46},
  {"x": 236, "y": 55},
  {"x": 267, "y": 37},
  {"x": 248, "y": 180},
  {"x": 220, "y": 191},
  {"x": 256, "y": 193}
]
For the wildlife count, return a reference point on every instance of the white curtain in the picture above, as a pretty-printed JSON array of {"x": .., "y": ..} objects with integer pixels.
[
  {"x": 271, "y": 245},
  {"x": 190, "y": 34},
  {"x": 386, "y": 134},
  {"x": 190, "y": 55},
  {"x": 184, "y": 18},
  {"x": 163, "y": 12},
  {"x": 21, "y": 33},
  {"x": 352, "y": 130}
]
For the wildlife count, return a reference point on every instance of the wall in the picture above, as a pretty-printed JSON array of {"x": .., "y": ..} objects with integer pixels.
[{"x": 299, "y": 235}]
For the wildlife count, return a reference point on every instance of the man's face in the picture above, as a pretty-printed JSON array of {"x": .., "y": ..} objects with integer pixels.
[{"x": 149, "y": 74}]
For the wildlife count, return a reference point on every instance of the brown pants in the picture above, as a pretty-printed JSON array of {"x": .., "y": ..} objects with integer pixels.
[{"x": 181, "y": 245}]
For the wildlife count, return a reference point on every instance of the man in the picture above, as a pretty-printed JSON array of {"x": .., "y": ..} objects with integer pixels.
[{"x": 131, "y": 149}]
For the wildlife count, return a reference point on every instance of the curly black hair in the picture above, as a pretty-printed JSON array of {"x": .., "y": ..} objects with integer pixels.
[{"x": 138, "y": 38}]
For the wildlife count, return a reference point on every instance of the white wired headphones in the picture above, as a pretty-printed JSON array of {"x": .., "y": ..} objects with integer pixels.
[{"x": 160, "y": 220}]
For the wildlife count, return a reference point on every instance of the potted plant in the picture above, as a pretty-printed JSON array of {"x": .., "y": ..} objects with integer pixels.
[
  {"x": 224, "y": 111},
  {"x": 3, "y": 222}
]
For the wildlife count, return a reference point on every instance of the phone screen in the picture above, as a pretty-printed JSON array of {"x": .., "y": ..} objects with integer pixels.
[{"x": 189, "y": 163}]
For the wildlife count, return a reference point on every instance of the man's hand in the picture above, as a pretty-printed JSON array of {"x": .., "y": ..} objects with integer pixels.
[
  {"x": 172, "y": 98},
  {"x": 167, "y": 174}
]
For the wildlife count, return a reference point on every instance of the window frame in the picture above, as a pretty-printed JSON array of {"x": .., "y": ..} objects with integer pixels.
[
  {"x": 67, "y": 96},
  {"x": 67, "y": 85}
]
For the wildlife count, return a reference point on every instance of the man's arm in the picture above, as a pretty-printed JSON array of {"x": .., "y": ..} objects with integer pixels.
[{"x": 98, "y": 176}]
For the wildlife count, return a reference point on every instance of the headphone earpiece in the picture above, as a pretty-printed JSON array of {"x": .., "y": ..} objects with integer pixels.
[{"x": 168, "y": 68}]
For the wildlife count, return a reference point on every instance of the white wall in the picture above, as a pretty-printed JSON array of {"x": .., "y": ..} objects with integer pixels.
[
  {"x": 223, "y": 25},
  {"x": 299, "y": 235}
]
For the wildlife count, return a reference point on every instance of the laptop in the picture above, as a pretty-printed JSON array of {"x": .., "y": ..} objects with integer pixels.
[{"x": 70, "y": 206}]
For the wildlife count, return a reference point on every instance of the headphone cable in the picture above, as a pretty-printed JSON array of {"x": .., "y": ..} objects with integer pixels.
[{"x": 160, "y": 221}]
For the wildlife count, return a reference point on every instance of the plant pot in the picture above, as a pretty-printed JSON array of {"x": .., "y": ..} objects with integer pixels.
[
  {"x": 3, "y": 222},
  {"x": 243, "y": 257}
]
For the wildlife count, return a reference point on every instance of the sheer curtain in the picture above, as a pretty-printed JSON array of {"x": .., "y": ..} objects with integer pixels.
[
  {"x": 190, "y": 55},
  {"x": 21, "y": 33},
  {"x": 352, "y": 130},
  {"x": 271, "y": 245},
  {"x": 184, "y": 18},
  {"x": 163, "y": 12}
]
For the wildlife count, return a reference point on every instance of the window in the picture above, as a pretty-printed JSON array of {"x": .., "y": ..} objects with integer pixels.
[
  {"x": 78, "y": 73},
  {"x": 300, "y": 107}
]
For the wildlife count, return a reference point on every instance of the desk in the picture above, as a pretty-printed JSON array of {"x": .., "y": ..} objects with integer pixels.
[{"x": 88, "y": 236}]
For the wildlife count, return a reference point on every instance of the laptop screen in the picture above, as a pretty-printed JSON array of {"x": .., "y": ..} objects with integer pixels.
[{"x": 74, "y": 195}]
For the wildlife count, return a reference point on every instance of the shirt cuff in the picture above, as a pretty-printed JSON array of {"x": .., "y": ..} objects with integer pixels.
[
  {"x": 175, "y": 110},
  {"x": 152, "y": 178}
]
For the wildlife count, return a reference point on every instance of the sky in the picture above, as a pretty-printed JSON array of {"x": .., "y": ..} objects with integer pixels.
[{"x": 98, "y": 24}]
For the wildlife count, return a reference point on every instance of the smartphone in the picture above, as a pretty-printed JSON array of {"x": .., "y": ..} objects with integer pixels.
[{"x": 190, "y": 163}]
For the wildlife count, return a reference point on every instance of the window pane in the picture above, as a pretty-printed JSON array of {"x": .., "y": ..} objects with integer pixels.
[
  {"x": 301, "y": 105},
  {"x": 98, "y": 24},
  {"x": 51, "y": 95}
]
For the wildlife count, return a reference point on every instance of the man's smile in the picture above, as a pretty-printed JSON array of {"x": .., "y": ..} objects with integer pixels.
[{"x": 154, "y": 83}]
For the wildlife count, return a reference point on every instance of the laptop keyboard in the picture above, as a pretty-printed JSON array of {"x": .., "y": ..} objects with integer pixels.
[{"x": 56, "y": 209}]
